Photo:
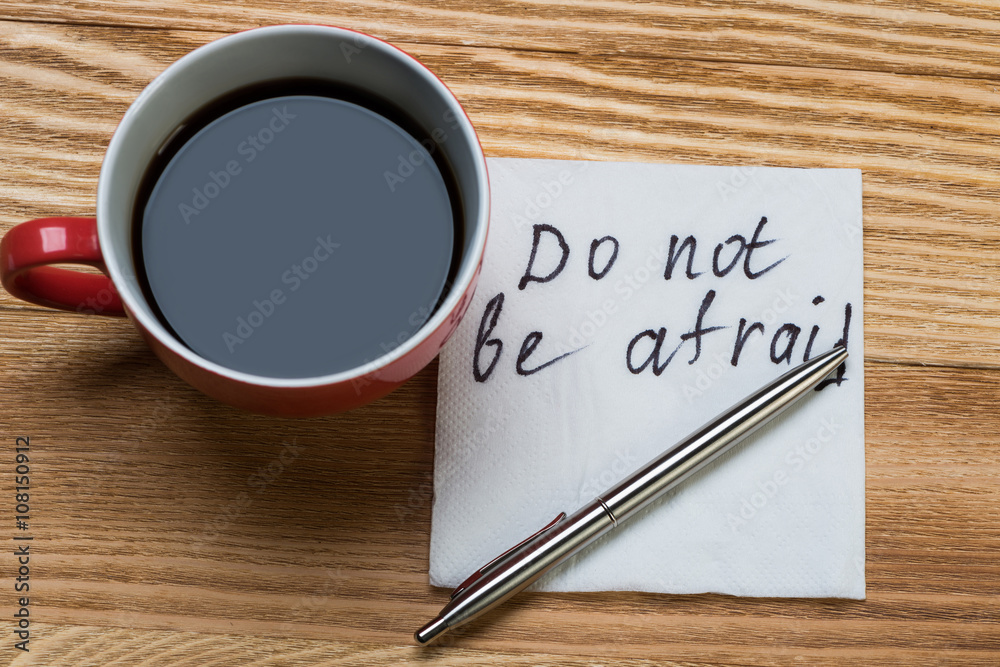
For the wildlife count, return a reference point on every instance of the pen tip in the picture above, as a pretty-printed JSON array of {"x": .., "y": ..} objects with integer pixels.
[{"x": 427, "y": 633}]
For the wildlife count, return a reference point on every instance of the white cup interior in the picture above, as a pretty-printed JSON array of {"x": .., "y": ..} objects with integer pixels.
[{"x": 264, "y": 54}]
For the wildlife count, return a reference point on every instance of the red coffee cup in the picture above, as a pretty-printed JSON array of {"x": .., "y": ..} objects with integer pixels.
[{"x": 338, "y": 55}]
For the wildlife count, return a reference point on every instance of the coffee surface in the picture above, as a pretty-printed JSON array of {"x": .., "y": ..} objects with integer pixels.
[{"x": 297, "y": 236}]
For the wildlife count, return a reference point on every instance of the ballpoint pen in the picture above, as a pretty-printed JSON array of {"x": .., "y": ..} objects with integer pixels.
[{"x": 519, "y": 567}]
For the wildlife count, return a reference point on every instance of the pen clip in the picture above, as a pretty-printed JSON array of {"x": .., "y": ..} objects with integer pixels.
[{"x": 496, "y": 561}]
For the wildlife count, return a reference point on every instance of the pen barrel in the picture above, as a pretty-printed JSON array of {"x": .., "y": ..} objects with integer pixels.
[{"x": 717, "y": 436}]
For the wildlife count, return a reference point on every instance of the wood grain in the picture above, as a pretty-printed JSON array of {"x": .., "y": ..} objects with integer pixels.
[
  {"x": 932, "y": 204},
  {"x": 140, "y": 526},
  {"x": 147, "y": 552},
  {"x": 904, "y": 36}
]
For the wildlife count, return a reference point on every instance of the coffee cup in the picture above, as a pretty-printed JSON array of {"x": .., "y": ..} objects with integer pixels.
[{"x": 422, "y": 143}]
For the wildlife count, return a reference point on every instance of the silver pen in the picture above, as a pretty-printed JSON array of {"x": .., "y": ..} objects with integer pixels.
[{"x": 519, "y": 567}]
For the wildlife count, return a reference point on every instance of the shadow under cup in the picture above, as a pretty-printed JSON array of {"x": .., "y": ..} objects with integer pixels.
[{"x": 344, "y": 59}]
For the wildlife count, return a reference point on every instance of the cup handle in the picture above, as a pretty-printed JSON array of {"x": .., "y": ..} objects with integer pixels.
[{"x": 27, "y": 250}]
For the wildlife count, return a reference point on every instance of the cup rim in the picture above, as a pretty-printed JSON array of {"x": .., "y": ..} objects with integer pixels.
[{"x": 135, "y": 302}]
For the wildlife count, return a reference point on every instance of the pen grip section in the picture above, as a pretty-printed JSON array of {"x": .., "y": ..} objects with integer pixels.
[
  {"x": 506, "y": 555},
  {"x": 510, "y": 575}
]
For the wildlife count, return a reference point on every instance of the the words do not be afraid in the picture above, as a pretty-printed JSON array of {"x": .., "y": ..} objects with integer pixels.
[{"x": 739, "y": 258}]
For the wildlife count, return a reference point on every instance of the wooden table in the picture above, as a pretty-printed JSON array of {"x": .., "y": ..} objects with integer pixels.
[{"x": 145, "y": 551}]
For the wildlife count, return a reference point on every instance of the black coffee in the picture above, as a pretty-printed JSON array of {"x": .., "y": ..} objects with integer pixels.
[{"x": 295, "y": 230}]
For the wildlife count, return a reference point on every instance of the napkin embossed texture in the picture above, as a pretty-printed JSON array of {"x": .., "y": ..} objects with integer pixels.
[{"x": 620, "y": 307}]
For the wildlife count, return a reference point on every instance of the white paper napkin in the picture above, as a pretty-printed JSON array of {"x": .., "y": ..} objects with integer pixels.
[{"x": 524, "y": 433}]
